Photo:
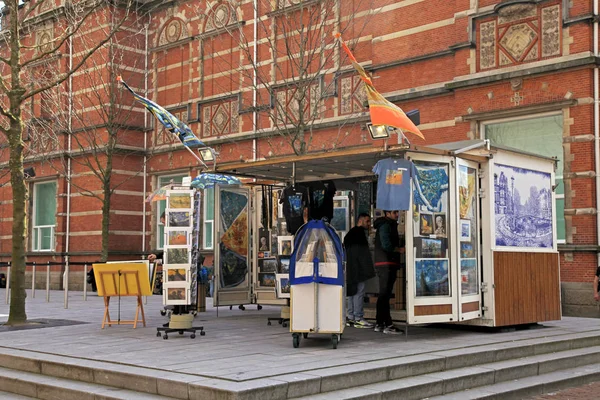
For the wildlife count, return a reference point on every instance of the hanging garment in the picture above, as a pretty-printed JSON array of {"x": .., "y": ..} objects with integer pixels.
[
  {"x": 393, "y": 183},
  {"x": 321, "y": 200},
  {"x": 294, "y": 200}
]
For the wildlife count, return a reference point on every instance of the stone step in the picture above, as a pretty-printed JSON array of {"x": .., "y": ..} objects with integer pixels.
[
  {"x": 504, "y": 359},
  {"x": 523, "y": 388},
  {"x": 136, "y": 379},
  {"x": 39, "y": 386},
  {"x": 13, "y": 396},
  {"x": 467, "y": 379}
]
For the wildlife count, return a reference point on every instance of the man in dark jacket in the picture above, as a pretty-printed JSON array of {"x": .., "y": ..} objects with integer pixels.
[
  {"x": 388, "y": 250},
  {"x": 359, "y": 269}
]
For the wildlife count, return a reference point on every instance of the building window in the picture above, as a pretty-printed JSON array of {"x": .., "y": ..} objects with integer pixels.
[
  {"x": 44, "y": 216},
  {"x": 208, "y": 217},
  {"x": 162, "y": 205},
  {"x": 541, "y": 135}
]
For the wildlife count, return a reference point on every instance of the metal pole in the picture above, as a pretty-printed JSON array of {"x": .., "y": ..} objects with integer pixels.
[
  {"x": 33, "y": 281},
  {"x": 48, "y": 282},
  {"x": 8, "y": 282},
  {"x": 66, "y": 282},
  {"x": 85, "y": 282}
]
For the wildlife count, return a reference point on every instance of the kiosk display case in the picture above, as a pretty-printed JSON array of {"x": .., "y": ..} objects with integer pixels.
[{"x": 480, "y": 231}]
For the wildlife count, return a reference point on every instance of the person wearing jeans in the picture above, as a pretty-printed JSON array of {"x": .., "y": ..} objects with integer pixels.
[
  {"x": 359, "y": 269},
  {"x": 388, "y": 250}
]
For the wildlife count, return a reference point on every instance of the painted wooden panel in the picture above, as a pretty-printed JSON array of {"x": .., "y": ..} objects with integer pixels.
[
  {"x": 526, "y": 288},
  {"x": 470, "y": 307},
  {"x": 438, "y": 309}
]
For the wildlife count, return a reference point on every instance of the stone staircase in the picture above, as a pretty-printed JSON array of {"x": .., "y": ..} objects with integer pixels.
[{"x": 506, "y": 370}]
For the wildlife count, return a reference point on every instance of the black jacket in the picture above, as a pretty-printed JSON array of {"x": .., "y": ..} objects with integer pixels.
[
  {"x": 359, "y": 265},
  {"x": 386, "y": 240}
]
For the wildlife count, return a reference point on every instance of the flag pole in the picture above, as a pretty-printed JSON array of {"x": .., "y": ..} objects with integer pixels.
[{"x": 196, "y": 156}]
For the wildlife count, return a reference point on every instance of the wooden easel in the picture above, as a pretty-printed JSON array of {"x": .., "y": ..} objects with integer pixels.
[{"x": 121, "y": 283}]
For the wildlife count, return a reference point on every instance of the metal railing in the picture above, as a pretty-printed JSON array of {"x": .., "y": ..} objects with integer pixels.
[{"x": 7, "y": 266}]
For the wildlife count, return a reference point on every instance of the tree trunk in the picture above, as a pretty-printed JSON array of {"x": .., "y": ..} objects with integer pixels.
[
  {"x": 105, "y": 221},
  {"x": 17, "y": 314}
]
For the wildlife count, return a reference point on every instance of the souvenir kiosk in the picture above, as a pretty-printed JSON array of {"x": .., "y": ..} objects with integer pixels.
[{"x": 480, "y": 230}]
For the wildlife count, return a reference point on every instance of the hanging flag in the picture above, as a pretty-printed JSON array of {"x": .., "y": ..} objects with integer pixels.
[
  {"x": 172, "y": 123},
  {"x": 382, "y": 111}
]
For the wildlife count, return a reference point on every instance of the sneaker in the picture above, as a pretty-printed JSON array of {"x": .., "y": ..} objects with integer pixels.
[
  {"x": 378, "y": 328},
  {"x": 349, "y": 322},
  {"x": 362, "y": 323},
  {"x": 392, "y": 330}
]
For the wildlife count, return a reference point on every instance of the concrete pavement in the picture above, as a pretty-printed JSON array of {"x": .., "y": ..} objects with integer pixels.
[{"x": 240, "y": 350}]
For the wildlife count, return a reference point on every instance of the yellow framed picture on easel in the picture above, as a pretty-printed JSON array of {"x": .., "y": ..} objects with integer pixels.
[{"x": 122, "y": 280}]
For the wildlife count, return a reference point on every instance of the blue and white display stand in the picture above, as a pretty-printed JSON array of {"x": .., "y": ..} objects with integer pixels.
[{"x": 317, "y": 302}]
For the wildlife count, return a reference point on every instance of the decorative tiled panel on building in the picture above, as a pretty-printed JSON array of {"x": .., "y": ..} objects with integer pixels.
[
  {"x": 173, "y": 31},
  {"x": 520, "y": 33},
  {"x": 220, "y": 16},
  {"x": 290, "y": 100},
  {"x": 353, "y": 96},
  {"x": 220, "y": 118}
]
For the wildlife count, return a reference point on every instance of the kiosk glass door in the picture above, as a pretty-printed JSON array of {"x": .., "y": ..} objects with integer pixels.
[
  {"x": 431, "y": 260},
  {"x": 232, "y": 249}
]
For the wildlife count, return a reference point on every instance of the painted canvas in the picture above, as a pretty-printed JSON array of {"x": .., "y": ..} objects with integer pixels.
[
  {"x": 432, "y": 278},
  {"x": 465, "y": 230},
  {"x": 468, "y": 276},
  {"x": 176, "y": 294},
  {"x": 426, "y": 224},
  {"x": 283, "y": 285},
  {"x": 179, "y": 218},
  {"x": 178, "y": 256},
  {"x": 431, "y": 248},
  {"x": 430, "y": 186},
  {"x": 177, "y": 238},
  {"x": 466, "y": 191},
  {"x": 266, "y": 279},
  {"x": 180, "y": 200},
  {"x": 284, "y": 265},
  {"x": 523, "y": 207},
  {"x": 285, "y": 245},
  {"x": 467, "y": 250},
  {"x": 267, "y": 265},
  {"x": 233, "y": 246},
  {"x": 439, "y": 224},
  {"x": 176, "y": 275}
]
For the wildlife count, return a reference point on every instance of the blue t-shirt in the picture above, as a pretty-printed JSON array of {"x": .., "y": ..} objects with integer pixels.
[{"x": 393, "y": 183}]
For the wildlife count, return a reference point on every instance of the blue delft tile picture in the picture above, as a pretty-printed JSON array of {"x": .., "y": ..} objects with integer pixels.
[{"x": 522, "y": 207}]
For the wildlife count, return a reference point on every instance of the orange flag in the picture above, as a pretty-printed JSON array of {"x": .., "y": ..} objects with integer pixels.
[{"x": 382, "y": 111}]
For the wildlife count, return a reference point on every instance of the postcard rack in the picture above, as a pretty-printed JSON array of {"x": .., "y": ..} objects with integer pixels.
[{"x": 180, "y": 269}]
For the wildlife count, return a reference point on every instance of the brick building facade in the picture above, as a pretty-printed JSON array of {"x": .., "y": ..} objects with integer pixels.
[{"x": 522, "y": 73}]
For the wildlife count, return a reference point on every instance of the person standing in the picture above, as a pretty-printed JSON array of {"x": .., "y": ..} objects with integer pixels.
[
  {"x": 388, "y": 249},
  {"x": 359, "y": 269}
]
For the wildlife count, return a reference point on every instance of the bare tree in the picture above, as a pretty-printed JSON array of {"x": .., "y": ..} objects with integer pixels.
[
  {"x": 291, "y": 68},
  {"x": 39, "y": 32},
  {"x": 99, "y": 119}
]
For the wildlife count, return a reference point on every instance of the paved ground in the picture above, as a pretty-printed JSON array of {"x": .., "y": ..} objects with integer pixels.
[
  {"x": 238, "y": 346},
  {"x": 587, "y": 392}
]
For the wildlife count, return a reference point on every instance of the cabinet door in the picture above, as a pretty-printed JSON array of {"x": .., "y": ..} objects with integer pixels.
[
  {"x": 232, "y": 246},
  {"x": 468, "y": 240},
  {"x": 431, "y": 261}
]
